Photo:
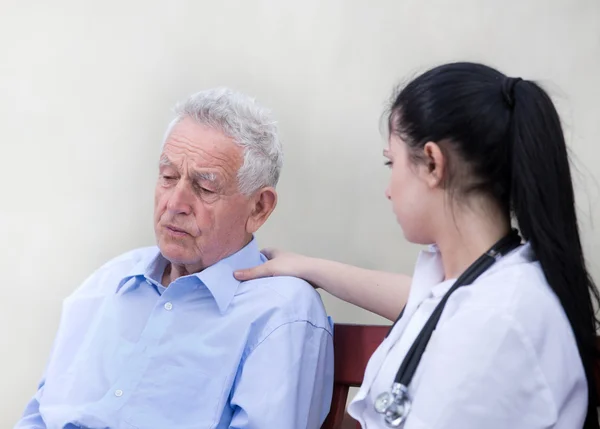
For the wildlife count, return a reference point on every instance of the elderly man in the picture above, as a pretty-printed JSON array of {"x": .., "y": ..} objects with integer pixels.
[{"x": 165, "y": 337}]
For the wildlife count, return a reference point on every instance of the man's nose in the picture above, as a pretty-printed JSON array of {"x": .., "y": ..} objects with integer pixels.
[{"x": 180, "y": 199}]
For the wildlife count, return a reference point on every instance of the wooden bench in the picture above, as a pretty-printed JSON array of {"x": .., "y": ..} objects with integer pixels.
[{"x": 353, "y": 347}]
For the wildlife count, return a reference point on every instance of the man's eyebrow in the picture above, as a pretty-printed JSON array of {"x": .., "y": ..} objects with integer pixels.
[{"x": 205, "y": 176}]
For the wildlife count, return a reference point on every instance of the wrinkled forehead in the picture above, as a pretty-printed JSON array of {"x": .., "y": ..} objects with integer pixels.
[{"x": 191, "y": 145}]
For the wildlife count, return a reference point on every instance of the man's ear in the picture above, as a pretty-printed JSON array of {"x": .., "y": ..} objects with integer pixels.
[
  {"x": 435, "y": 164},
  {"x": 264, "y": 202}
]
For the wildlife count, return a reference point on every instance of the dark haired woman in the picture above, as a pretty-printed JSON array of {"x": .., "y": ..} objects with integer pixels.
[{"x": 496, "y": 328}]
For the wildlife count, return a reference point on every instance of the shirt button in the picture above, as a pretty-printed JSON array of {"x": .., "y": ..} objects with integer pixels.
[
  {"x": 168, "y": 306},
  {"x": 118, "y": 393}
]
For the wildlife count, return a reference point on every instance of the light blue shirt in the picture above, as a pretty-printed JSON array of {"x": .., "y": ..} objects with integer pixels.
[{"x": 206, "y": 352}]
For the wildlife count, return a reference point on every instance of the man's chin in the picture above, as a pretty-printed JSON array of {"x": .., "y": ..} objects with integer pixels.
[{"x": 176, "y": 253}]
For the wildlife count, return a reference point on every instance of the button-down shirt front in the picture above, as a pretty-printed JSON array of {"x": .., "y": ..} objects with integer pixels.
[{"x": 205, "y": 352}]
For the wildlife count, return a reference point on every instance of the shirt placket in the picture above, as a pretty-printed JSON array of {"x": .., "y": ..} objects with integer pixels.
[{"x": 131, "y": 374}]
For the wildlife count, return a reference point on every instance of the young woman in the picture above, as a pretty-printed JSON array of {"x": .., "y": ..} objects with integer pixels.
[{"x": 496, "y": 329}]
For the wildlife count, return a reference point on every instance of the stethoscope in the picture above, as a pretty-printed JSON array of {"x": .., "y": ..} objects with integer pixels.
[{"x": 395, "y": 404}]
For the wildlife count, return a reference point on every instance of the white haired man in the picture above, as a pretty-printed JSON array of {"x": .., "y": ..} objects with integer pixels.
[{"x": 165, "y": 337}]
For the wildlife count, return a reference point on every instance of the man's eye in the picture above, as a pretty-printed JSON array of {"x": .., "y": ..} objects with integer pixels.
[{"x": 202, "y": 190}]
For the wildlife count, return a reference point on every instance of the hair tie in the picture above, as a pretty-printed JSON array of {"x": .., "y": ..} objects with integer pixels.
[{"x": 508, "y": 90}]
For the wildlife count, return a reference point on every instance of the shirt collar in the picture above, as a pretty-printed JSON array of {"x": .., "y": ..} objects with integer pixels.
[
  {"x": 218, "y": 278},
  {"x": 521, "y": 254},
  {"x": 428, "y": 275},
  {"x": 151, "y": 267}
]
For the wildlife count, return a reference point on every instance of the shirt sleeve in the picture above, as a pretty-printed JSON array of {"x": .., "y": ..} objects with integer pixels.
[
  {"x": 481, "y": 371},
  {"x": 286, "y": 381},
  {"x": 31, "y": 418}
]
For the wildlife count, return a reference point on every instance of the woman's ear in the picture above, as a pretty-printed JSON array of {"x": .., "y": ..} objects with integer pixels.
[
  {"x": 264, "y": 202},
  {"x": 435, "y": 164}
]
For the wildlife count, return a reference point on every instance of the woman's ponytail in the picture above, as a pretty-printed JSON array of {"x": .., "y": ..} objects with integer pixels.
[{"x": 543, "y": 201}]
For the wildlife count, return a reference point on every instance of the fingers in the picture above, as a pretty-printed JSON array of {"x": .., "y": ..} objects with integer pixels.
[
  {"x": 263, "y": 270},
  {"x": 252, "y": 273}
]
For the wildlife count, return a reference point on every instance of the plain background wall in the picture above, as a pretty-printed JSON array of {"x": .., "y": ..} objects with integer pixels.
[{"x": 86, "y": 91}]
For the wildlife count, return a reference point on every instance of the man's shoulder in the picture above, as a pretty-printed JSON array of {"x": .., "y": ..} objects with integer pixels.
[
  {"x": 113, "y": 271},
  {"x": 290, "y": 298},
  {"x": 286, "y": 290}
]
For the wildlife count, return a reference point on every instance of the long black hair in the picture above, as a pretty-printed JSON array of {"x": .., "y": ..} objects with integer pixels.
[{"x": 508, "y": 133}]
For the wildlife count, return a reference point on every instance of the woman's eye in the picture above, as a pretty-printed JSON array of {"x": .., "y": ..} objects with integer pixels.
[{"x": 207, "y": 191}]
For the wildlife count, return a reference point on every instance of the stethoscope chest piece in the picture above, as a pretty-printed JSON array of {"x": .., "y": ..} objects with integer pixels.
[{"x": 394, "y": 405}]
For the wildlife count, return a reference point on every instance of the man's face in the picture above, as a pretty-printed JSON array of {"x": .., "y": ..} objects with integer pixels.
[{"x": 200, "y": 216}]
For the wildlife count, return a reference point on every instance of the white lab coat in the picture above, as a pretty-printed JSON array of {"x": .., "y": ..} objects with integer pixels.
[{"x": 503, "y": 355}]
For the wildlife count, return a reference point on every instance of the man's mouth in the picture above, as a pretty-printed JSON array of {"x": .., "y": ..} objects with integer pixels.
[{"x": 176, "y": 231}]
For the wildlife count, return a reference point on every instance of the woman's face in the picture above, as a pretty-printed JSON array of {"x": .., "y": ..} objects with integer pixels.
[{"x": 414, "y": 199}]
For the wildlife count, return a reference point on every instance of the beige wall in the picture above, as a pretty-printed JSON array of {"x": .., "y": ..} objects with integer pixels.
[{"x": 86, "y": 87}]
